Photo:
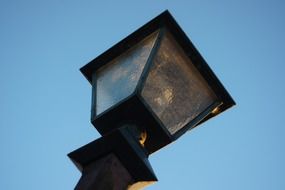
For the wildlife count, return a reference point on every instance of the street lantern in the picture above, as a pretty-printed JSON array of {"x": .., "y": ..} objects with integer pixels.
[
  {"x": 147, "y": 91},
  {"x": 156, "y": 80}
]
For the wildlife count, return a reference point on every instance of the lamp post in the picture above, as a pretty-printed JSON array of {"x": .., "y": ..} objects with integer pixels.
[{"x": 148, "y": 90}]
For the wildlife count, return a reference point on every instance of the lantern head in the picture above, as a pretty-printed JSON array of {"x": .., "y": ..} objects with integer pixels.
[{"x": 157, "y": 80}]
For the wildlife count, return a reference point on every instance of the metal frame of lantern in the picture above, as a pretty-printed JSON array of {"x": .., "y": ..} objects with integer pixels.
[{"x": 134, "y": 109}]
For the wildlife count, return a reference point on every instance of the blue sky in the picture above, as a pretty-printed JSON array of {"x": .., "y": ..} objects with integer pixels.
[{"x": 45, "y": 101}]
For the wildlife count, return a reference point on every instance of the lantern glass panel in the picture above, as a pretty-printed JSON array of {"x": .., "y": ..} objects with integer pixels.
[
  {"x": 174, "y": 89},
  {"x": 118, "y": 79}
]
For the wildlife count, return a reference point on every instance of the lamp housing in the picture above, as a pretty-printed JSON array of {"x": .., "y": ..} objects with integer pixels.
[{"x": 157, "y": 80}]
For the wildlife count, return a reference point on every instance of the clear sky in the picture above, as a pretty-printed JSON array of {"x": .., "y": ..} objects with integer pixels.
[{"x": 45, "y": 101}]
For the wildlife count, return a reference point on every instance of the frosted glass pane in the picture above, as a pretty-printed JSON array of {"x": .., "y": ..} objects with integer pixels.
[
  {"x": 118, "y": 79},
  {"x": 174, "y": 88}
]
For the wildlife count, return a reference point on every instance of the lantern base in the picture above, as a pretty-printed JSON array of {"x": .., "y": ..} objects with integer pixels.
[
  {"x": 116, "y": 161},
  {"x": 108, "y": 173}
]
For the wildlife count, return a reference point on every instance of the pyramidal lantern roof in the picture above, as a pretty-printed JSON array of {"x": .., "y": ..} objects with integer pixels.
[{"x": 155, "y": 78}]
